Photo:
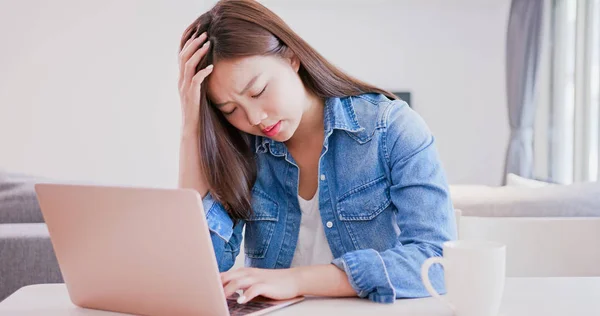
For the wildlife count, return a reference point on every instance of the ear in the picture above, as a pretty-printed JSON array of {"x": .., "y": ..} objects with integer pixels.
[{"x": 295, "y": 62}]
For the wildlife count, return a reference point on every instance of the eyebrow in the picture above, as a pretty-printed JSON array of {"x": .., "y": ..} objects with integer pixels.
[{"x": 242, "y": 92}]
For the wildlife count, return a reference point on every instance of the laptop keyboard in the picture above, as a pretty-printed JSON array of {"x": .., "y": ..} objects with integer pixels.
[{"x": 236, "y": 309}]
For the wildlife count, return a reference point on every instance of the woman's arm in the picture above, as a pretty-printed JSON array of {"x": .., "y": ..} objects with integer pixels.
[
  {"x": 190, "y": 175},
  {"x": 425, "y": 216},
  {"x": 226, "y": 238},
  {"x": 323, "y": 280},
  {"x": 317, "y": 280}
]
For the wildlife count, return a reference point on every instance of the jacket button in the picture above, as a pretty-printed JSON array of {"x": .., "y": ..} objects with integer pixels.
[
  {"x": 329, "y": 224},
  {"x": 322, "y": 177}
]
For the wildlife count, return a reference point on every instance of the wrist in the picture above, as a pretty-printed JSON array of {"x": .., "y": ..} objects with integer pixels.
[
  {"x": 300, "y": 277},
  {"x": 322, "y": 280}
]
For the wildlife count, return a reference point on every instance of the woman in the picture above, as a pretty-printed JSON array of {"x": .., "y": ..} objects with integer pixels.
[{"x": 337, "y": 182}]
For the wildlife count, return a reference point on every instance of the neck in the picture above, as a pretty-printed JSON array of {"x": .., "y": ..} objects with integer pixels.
[{"x": 310, "y": 130}]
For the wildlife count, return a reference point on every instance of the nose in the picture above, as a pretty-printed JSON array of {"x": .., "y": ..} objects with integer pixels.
[{"x": 256, "y": 117}]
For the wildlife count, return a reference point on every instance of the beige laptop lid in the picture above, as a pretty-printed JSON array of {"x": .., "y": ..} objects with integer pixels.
[{"x": 133, "y": 250}]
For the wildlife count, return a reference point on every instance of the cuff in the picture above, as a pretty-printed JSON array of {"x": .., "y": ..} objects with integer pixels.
[
  {"x": 219, "y": 221},
  {"x": 367, "y": 275}
]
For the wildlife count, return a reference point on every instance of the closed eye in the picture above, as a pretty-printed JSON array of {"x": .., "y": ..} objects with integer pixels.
[
  {"x": 229, "y": 113},
  {"x": 258, "y": 95},
  {"x": 254, "y": 96}
]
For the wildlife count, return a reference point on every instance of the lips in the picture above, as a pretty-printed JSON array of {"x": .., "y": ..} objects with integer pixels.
[
  {"x": 272, "y": 130},
  {"x": 266, "y": 130}
]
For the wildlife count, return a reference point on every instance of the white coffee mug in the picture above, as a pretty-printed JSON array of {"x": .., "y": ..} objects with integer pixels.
[{"x": 474, "y": 274}]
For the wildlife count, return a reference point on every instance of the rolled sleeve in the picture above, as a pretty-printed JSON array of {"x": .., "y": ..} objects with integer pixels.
[
  {"x": 226, "y": 238},
  {"x": 367, "y": 275},
  {"x": 219, "y": 222}
]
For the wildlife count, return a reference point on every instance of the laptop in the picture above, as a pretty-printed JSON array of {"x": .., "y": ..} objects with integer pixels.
[{"x": 142, "y": 251}]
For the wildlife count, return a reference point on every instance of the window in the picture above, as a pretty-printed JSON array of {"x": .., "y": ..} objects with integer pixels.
[{"x": 574, "y": 135}]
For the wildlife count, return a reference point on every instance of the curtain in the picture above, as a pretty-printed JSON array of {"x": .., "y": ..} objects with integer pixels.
[{"x": 522, "y": 58}]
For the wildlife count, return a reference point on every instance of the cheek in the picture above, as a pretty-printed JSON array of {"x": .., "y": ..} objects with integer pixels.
[
  {"x": 294, "y": 86},
  {"x": 286, "y": 98},
  {"x": 238, "y": 122},
  {"x": 274, "y": 103}
]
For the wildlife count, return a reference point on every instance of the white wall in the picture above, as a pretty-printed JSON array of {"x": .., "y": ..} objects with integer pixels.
[{"x": 88, "y": 89}]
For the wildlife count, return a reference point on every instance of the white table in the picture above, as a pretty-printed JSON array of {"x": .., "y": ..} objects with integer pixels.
[{"x": 522, "y": 296}]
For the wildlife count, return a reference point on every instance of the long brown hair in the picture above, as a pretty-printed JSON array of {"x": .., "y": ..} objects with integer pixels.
[{"x": 241, "y": 28}]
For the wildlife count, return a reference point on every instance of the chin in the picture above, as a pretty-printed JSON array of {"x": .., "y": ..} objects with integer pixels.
[
  {"x": 284, "y": 139},
  {"x": 280, "y": 137},
  {"x": 284, "y": 135}
]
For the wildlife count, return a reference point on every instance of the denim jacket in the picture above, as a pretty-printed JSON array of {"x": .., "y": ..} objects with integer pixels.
[{"x": 383, "y": 198}]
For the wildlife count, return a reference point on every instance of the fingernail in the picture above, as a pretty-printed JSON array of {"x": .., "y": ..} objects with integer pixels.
[
  {"x": 206, "y": 44},
  {"x": 209, "y": 66},
  {"x": 241, "y": 299}
]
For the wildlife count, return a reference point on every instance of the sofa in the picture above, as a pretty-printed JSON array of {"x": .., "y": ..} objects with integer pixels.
[
  {"x": 26, "y": 253},
  {"x": 549, "y": 230}
]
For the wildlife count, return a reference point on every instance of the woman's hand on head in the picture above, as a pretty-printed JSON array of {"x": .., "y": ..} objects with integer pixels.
[
  {"x": 189, "y": 80},
  {"x": 277, "y": 284}
]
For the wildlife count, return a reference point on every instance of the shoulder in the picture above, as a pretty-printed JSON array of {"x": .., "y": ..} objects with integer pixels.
[
  {"x": 405, "y": 131},
  {"x": 369, "y": 109},
  {"x": 376, "y": 111}
]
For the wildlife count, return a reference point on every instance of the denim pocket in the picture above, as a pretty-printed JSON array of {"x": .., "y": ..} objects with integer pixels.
[
  {"x": 261, "y": 225},
  {"x": 365, "y": 202}
]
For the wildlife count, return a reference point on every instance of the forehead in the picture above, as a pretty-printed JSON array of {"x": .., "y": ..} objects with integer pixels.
[{"x": 231, "y": 75}]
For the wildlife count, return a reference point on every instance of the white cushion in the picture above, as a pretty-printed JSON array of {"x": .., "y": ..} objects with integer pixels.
[
  {"x": 518, "y": 181},
  {"x": 582, "y": 199}
]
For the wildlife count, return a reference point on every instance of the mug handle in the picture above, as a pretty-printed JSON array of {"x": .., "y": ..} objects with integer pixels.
[{"x": 425, "y": 277}]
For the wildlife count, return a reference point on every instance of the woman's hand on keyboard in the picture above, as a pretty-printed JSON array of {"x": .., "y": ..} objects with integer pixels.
[{"x": 277, "y": 284}]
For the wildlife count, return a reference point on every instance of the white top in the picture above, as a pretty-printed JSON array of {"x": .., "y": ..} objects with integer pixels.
[{"x": 312, "y": 247}]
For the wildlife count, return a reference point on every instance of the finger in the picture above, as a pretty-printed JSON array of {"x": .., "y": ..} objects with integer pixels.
[
  {"x": 201, "y": 75},
  {"x": 187, "y": 67},
  {"x": 226, "y": 277},
  {"x": 187, "y": 43},
  {"x": 190, "y": 40},
  {"x": 188, "y": 51},
  {"x": 191, "y": 65},
  {"x": 199, "y": 53},
  {"x": 238, "y": 284},
  {"x": 197, "y": 79},
  {"x": 252, "y": 292},
  {"x": 191, "y": 45}
]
